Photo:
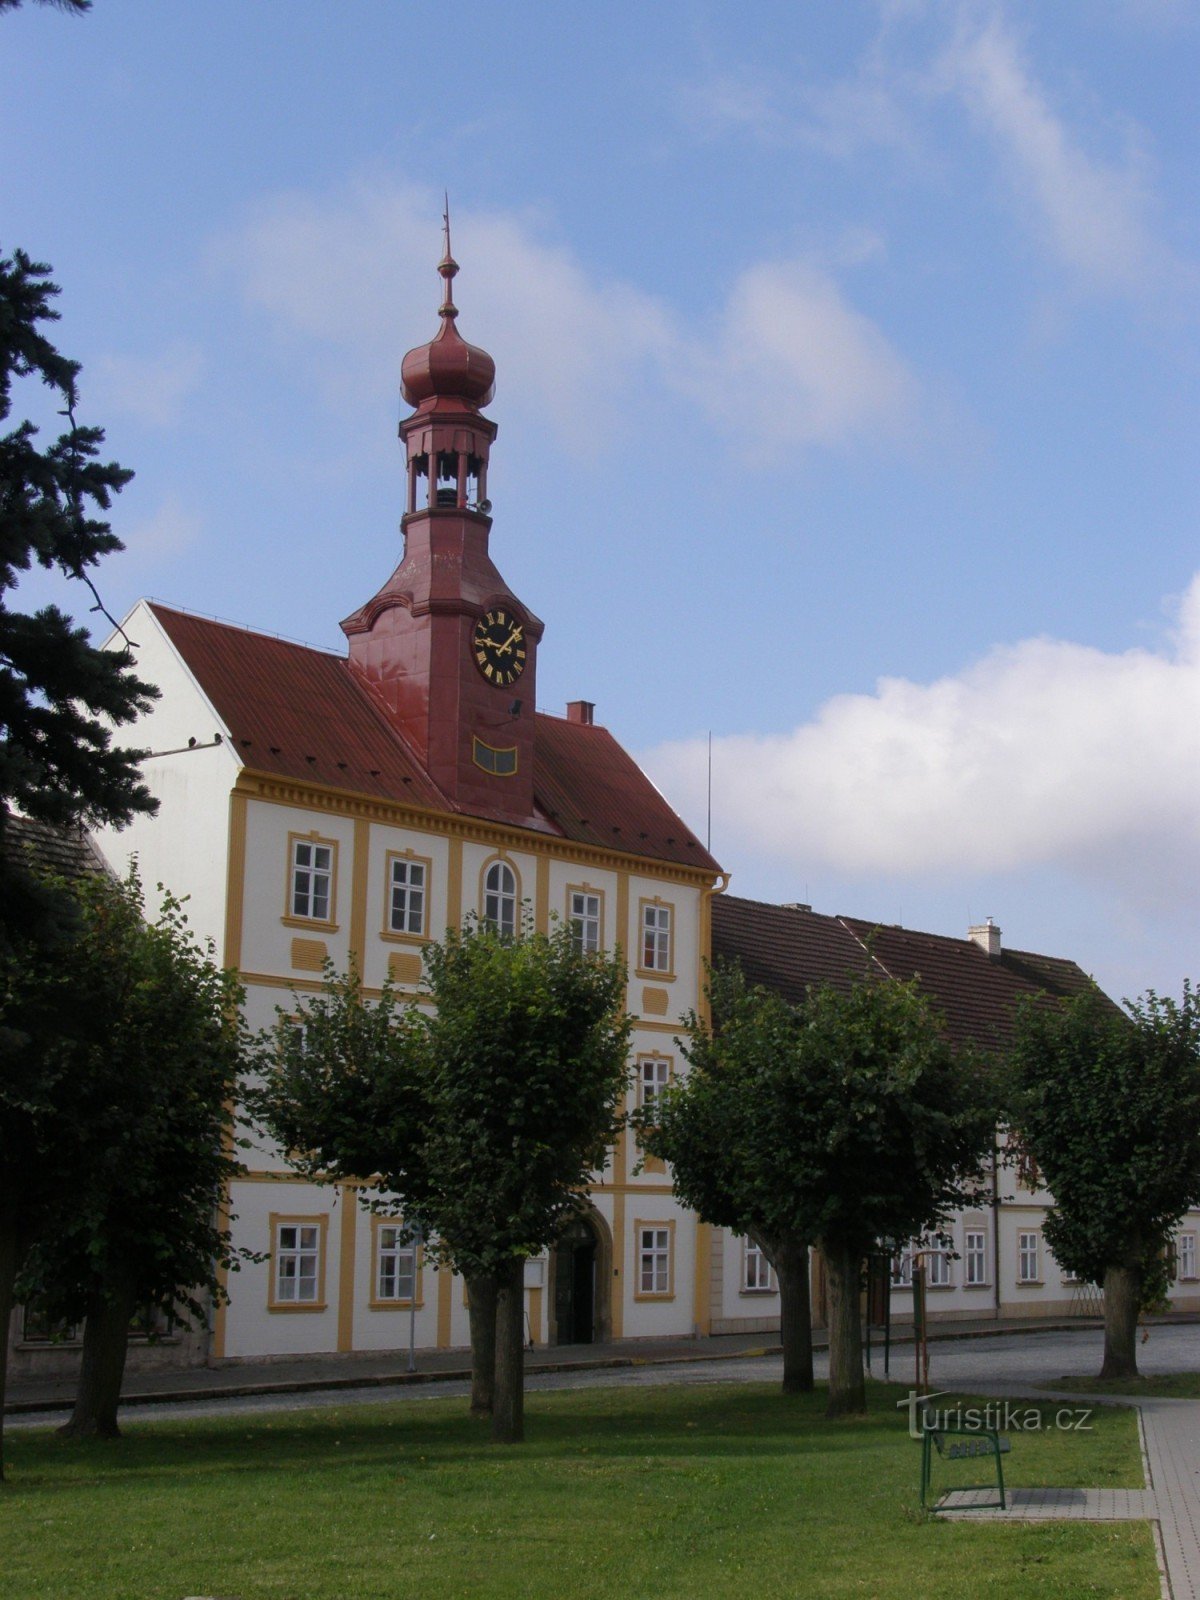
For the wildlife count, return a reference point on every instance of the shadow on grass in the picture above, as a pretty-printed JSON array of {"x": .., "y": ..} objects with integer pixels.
[{"x": 646, "y": 1423}]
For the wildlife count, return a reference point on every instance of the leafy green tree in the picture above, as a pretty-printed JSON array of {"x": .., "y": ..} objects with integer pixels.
[
  {"x": 1108, "y": 1104},
  {"x": 482, "y": 1120},
  {"x": 725, "y": 1131},
  {"x": 139, "y": 1036},
  {"x": 843, "y": 1120}
]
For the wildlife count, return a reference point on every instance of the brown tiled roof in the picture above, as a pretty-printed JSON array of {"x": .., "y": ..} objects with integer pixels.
[
  {"x": 790, "y": 950},
  {"x": 597, "y": 794},
  {"x": 297, "y": 712}
]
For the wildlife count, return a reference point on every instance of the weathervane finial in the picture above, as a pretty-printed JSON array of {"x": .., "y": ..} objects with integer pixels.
[{"x": 447, "y": 267}]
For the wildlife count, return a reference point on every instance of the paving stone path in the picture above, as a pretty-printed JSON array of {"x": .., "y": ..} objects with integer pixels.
[{"x": 1171, "y": 1442}]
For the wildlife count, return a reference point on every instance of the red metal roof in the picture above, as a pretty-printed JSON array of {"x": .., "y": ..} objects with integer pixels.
[
  {"x": 789, "y": 950},
  {"x": 301, "y": 713}
]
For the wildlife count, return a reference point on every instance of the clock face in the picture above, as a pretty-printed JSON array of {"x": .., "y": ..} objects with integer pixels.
[{"x": 498, "y": 645}]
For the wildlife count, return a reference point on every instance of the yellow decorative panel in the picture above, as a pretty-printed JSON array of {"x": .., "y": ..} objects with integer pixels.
[
  {"x": 404, "y": 967},
  {"x": 309, "y": 954},
  {"x": 655, "y": 1002}
]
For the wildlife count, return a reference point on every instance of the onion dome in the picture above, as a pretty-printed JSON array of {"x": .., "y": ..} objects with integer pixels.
[{"x": 448, "y": 367}]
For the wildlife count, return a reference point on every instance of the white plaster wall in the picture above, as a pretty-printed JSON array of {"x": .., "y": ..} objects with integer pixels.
[
  {"x": 380, "y": 943},
  {"x": 682, "y": 987},
  {"x": 186, "y": 845},
  {"x": 567, "y": 875},
  {"x": 651, "y": 1318},
  {"x": 251, "y": 1328},
  {"x": 266, "y": 936}
]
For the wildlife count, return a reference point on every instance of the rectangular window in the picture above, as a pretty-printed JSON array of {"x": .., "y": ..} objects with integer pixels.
[
  {"x": 395, "y": 1265},
  {"x": 656, "y": 937},
  {"x": 297, "y": 1263},
  {"x": 584, "y": 916},
  {"x": 1186, "y": 1255},
  {"x": 975, "y": 1256},
  {"x": 937, "y": 1269},
  {"x": 1027, "y": 1258},
  {"x": 408, "y": 882},
  {"x": 902, "y": 1267},
  {"x": 757, "y": 1276},
  {"x": 654, "y": 1074},
  {"x": 312, "y": 880},
  {"x": 654, "y": 1261}
]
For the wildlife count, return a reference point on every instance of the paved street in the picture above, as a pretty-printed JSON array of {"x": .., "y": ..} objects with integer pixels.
[{"x": 995, "y": 1363}]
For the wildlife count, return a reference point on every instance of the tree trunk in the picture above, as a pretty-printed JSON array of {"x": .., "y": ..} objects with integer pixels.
[
  {"x": 105, "y": 1343},
  {"x": 847, "y": 1387},
  {"x": 508, "y": 1418},
  {"x": 790, "y": 1260},
  {"x": 1122, "y": 1301},
  {"x": 8, "y": 1274},
  {"x": 481, "y": 1309}
]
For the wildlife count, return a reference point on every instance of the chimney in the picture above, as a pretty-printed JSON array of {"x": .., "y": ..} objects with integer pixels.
[
  {"x": 987, "y": 936},
  {"x": 582, "y": 711}
]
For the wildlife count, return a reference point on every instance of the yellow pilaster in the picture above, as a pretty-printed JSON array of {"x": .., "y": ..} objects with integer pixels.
[
  {"x": 454, "y": 878},
  {"x": 541, "y": 895},
  {"x": 358, "y": 893},
  {"x": 445, "y": 1279}
]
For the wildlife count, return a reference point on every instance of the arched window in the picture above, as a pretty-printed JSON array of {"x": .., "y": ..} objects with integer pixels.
[{"x": 500, "y": 897}]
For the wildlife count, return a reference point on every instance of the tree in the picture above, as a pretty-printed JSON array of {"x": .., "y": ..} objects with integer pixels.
[
  {"x": 853, "y": 1120},
  {"x": 482, "y": 1121},
  {"x": 59, "y": 698},
  {"x": 1108, "y": 1104},
  {"x": 77, "y": 7},
  {"x": 59, "y": 694},
  {"x": 144, "y": 1055},
  {"x": 724, "y": 1130}
]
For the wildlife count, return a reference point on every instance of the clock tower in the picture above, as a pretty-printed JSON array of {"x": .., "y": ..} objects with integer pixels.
[{"x": 447, "y": 649}]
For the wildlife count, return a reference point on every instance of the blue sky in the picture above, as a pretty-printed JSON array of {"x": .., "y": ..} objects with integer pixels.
[{"x": 847, "y": 392}]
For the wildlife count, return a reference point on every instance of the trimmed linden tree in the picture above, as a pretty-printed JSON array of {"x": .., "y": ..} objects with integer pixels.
[
  {"x": 482, "y": 1120},
  {"x": 1108, "y": 1104},
  {"x": 837, "y": 1122}
]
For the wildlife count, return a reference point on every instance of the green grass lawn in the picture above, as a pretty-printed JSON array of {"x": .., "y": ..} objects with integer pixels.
[
  {"x": 662, "y": 1493},
  {"x": 1165, "y": 1385}
]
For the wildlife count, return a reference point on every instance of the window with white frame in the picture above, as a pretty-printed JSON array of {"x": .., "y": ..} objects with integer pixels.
[
  {"x": 584, "y": 917},
  {"x": 654, "y": 1260},
  {"x": 757, "y": 1276},
  {"x": 937, "y": 1267},
  {"x": 902, "y": 1268},
  {"x": 500, "y": 898},
  {"x": 297, "y": 1263},
  {"x": 656, "y": 937},
  {"x": 407, "y": 886},
  {"x": 312, "y": 880},
  {"x": 1028, "y": 1251},
  {"x": 1185, "y": 1255},
  {"x": 654, "y": 1074},
  {"x": 395, "y": 1264},
  {"x": 974, "y": 1257}
]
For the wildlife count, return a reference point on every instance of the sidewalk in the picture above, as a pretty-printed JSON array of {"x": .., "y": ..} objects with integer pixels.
[{"x": 296, "y": 1375}]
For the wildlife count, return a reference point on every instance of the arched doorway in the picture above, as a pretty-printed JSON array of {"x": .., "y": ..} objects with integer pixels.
[{"x": 580, "y": 1287}]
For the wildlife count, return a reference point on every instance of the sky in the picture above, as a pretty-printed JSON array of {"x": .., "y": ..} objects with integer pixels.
[{"x": 847, "y": 393}]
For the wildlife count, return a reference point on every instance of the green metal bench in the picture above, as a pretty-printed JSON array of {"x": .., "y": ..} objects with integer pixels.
[{"x": 962, "y": 1444}]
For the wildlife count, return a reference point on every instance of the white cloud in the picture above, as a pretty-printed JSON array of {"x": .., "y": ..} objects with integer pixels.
[
  {"x": 152, "y": 389},
  {"x": 1092, "y": 214},
  {"x": 787, "y": 361},
  {"x": 793, "y": 362},
  {"x": 167, "y": 531},
  {"x": 1043, "y": 753},
  {"x": 838, "y": 119}
]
